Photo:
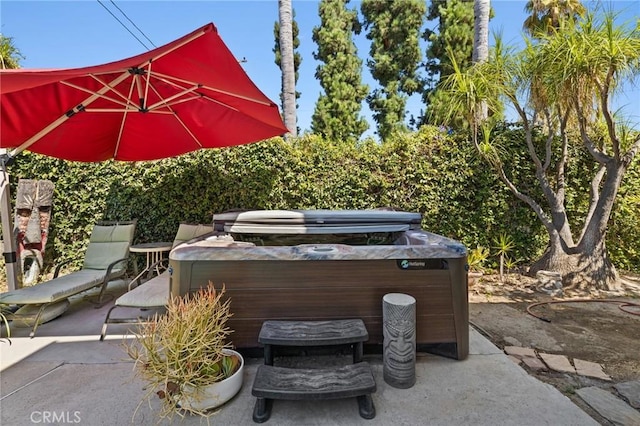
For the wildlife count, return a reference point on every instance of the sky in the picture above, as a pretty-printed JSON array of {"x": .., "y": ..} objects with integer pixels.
[{"x": 70, "y": 34}]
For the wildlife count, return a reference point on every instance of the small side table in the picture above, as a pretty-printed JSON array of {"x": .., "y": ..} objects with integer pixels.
[{"x": 154, "y": 252}]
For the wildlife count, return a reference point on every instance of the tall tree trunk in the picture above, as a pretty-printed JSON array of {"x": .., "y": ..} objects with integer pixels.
[
  {"x": 481, "y": 9},
  {"x": 287, "y": 65},
  {"x": 587, "y": 265}
]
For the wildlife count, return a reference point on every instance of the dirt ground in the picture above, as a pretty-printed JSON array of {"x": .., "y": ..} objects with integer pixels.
[{"x": 595, "y": 329}]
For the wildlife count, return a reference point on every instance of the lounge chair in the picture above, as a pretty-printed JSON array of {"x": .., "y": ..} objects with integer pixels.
[
  {"x": 155, "y": 292},
  {"x": 105, "y": 260}
]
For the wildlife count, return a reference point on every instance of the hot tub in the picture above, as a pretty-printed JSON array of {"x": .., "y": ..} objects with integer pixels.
[{"x": 328, "y": 264}]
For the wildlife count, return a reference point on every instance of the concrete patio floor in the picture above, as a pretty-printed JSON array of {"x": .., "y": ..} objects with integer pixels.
[{"x": 66, "y": 374}]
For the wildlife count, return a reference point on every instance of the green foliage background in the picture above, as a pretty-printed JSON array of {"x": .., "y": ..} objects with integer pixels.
[
  {"x": 337, "y": 114},
  {"x": 428, "y": 171}
]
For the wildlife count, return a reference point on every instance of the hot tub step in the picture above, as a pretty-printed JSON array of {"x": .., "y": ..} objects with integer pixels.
[
  {"x": 353, "y": 380},
  {"x": 313, "y": 333}
]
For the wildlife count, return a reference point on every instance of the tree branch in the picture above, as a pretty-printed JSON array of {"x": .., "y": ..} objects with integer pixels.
[
  {"x": 604, "y": 105},
  {"x": 631, "y": 153},
  {"x": 560, "y": 192},
  {"x": 530, "y": 147},
  {"x": 547, "y": 156},
  {"x": 598, "y": 155},
  {"x": 594, "y": 197},
  {"x": 544, "y": 218},
  {"x": 558, "y": 221}
]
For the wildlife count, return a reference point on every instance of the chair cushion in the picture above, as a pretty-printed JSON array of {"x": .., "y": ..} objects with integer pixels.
[
  {"x": 109, "y": 233},
  {"x": 152, "y": 293},
  {"x": 156, "y": 291},
  {"x": 26, "y": 315},
  {"x": 188, "y": 232},
  {"x": 107, "y": 244},
  {"x": 101, "y": 255},
  {"x": 56, "y": 289}
]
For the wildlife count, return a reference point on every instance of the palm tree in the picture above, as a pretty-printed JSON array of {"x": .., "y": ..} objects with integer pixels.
[
  {"x": 10, "y": 56},
  {"x": 287, "y": 64},
  {"x": 546, "y": 15},
  {"x": 481, "y": 11}
]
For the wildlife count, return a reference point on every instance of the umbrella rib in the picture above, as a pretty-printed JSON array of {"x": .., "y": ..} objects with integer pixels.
[
  {"x": 215, "y": 101},
  {"x": 192, "y": 98},
  {"x": 167, "y": 79},
  {"x": 170, "y": 79},
  {"x": 126, "y": 103},
  {"x": 175, "y": 85},
  {"x": 170, "y": 98},
  {"x": 112, "y": 110},
  {"x": 184, "y": 126},
  {"x": 178, "y": 46},
  {"x": 124, "y": 118},
  {"x": 198, "y": 95},
  {"x": 152, "y": 87},
  {"x": 147, "y": 82},
  {"x": 168, "y": 104},
  {"x": 246, "y": 98},
  {"x": 141, "y": 97},
  {"x": 67, "y": 115}
]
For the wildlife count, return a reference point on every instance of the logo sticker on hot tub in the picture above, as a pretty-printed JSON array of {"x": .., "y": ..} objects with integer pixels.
[{"x": 412, "y": 264}]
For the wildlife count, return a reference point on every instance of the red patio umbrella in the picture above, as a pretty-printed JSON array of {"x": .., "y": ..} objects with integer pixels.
[
  {"x": 189, "y": 94},
  {"x": 186, "y": 95}
]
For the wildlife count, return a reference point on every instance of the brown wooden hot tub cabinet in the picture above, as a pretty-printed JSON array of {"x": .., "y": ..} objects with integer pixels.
[{"x": 333, "y": 281}]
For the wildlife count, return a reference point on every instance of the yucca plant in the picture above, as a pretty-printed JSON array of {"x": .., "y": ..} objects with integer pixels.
[
  {"x": 510, "y": 263},
  {"x": 184, "y": 350},
  {"x": 477, "y": 258},
  {"x": 503, "y": 244}
]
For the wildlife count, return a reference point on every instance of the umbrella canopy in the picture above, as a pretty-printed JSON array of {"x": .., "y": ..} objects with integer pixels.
[
  {"x": 186, "y": 95},
  {"x": 189, "y": 94}
]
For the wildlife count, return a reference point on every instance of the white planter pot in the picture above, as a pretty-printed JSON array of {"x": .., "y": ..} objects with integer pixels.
[{"x": 218, "y": 393}]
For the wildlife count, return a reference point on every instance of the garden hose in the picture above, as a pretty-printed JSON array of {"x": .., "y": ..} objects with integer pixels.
[{"x": 622, "y": 305}]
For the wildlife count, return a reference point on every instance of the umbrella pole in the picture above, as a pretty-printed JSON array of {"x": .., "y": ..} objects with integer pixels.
[{"x": 9, "y": 247}]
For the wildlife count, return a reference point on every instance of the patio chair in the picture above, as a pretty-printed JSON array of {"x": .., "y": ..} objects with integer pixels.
[
  {"x": 105, "y": 260},
  {"x": 155, "y": 292}
]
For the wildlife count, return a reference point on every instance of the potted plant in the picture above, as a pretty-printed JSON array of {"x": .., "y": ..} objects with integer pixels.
[
  {"x": 185, "y": 354},
  {"x": 476, "y": 259}
]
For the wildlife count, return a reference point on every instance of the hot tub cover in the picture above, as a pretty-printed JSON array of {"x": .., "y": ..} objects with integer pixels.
[{"x": 316, "y": 221}]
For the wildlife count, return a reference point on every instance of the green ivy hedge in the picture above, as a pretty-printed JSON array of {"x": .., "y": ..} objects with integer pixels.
[{"x": 429, "y": 171}]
